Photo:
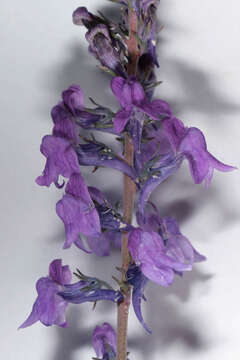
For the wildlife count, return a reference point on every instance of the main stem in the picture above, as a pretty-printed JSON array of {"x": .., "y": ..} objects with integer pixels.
[{"x": 128, "y": 200}]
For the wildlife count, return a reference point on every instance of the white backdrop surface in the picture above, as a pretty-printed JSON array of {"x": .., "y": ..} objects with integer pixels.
[{"x": 42, "y": 53}]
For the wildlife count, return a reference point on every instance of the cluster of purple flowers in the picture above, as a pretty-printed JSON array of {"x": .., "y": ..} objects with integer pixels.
[{"x": 161, "y": 143}]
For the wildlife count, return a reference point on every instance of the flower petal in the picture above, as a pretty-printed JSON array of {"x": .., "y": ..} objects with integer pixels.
[
  {"x": 162, "y": 275},
  {"x": 117, "y": 84},
  {"x": 201, "y": 162},
  {"x": 61, "y": 160},
  {"x": 155, "y": 109},
  {"x": 77, "y": 211},
  {"x": 32, "y": 318},
  {"x": 138, "y": 94},
  {"x": 175, "y": 130},
  {"x": 100, "y": 246},
  {"x": 148, "y": 250},
  {"x": 121, "y": 119},
  {"x": 77, "y": 217},
  {"x": 63, "y": 125},
  {"x": 122, "y": 90},
  {"x": 77, "y": 187},
  {"x": 102, "y": 336},
  {"x": 58, "y": 273},
  {"x": 80, "y": 244},
  {"x": 81, "y": 14},
  {"x": 73, "y": 98}
]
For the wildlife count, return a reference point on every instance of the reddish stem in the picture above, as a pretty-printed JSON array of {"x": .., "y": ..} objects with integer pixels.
[{"x": 129, "y": 194}]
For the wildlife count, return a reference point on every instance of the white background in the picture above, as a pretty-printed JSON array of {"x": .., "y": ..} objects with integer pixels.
[{"x": 42, "y": 53}]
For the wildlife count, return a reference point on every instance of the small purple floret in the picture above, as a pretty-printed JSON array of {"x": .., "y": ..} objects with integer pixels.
[
  {"x": 191, "y": 143},
  {"x": 64, "y": 112},
  {"x": 130, "y": 95},
  {"x": 77, "y": 211},
  {"x": 177, "y": 246},
  {"x": 81, "y": 15},
  {"x": 148, "y": 251},
  {"x": 49, "y": 308},
  {"x": 104, "y": 340},
  {"x": 73, "y": 99},
  {"x": 61, "y": 160}
]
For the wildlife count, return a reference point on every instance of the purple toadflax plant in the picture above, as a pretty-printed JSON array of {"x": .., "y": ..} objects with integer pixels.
[{"x": 154, "y": 145}]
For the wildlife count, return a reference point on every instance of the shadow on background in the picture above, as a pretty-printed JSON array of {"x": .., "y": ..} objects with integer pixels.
[
  {"x": 167, "y": 319},
  {"x": 69, "y": 340}
]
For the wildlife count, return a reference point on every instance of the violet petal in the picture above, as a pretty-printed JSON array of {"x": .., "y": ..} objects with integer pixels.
[
  {"x": 201, "y": 162},
  {"x": 61, "y": 160},
  {"x": 58, "y": 273},
  {"x": 175, "y": 131},
  {"x": 63, "y": 125},
  {"x": 77, "y": 211},
  {"x": 100, "y": 245},
  {"x": 80, "y": 15},
  {"x": 138, "y": 94},
  {"x": 80, "y": 244},
  {"x": 122, "y": 90},
  {"x": 73, "y": 98},
  {"x": 102, "y": 336},
  {"x": 121, "y": 119},
  {"x": 155, "y": 109},
  {"x": 148, "y": 250}
]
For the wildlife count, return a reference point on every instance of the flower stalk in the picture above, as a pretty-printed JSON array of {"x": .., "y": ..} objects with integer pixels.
[{"x": 129, "y": 194}]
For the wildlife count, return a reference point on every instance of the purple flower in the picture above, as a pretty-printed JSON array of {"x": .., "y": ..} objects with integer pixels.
[
  {"x": 49, "y": 307},
  {"x": 61, "y": 160},
  {"x": 104, "y": 341},
  {"x": 82, "y": 16},
  {"x": 102, "y": 44},
  {"x": 148, "y": 251},
  {"x": 136, "y": 278},
  {"x": 98, "y": 154},
  {"x": 77, "y": 211},
  {"x": 176, "y": 245},
  {"x": 191, "y": 143},
  {"x": 132, "y": 97},
  {"x": 110, "y": 221},
  {"x": 70, "y": 113},
  {"x": 63, "y": 113}
]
